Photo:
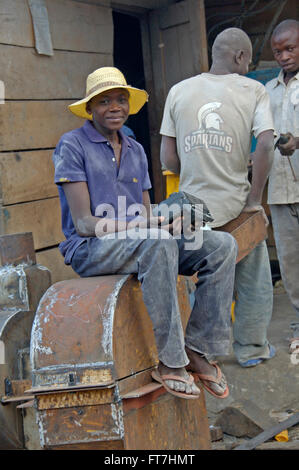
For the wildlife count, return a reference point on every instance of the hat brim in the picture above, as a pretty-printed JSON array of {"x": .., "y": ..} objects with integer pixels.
[{"x": 137, "y": 99}]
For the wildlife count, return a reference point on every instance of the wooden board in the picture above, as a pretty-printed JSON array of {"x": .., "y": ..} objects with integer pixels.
[
  {"x": 62, "y": 76},
  {"x": 54, "y": 261},
  {"x": 178, "y": 50},
  {"x": 17, "y": 248},
  {"x": 94, "y": 22},
  {"x": 170, "y": 424},
  {"x": 35, "y": 124},
  {"x": 249, "y": 229},
  {"x": 26, "y": 176},
  {"x": 66, "y": 19},
  {"x": 42, "y": 218}
]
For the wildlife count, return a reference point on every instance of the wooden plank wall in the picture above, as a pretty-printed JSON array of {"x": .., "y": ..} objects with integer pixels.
[{"x": 34, "y": 115}]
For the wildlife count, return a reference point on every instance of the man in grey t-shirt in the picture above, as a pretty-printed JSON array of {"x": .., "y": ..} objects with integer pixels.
[{"x": 206, "y": 132}]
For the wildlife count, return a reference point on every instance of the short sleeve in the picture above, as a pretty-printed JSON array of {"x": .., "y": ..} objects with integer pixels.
[
  {"x": 68, "y": 162},
  {"x": 168, "y": 124},
  {"x": 262, "y": 119}
]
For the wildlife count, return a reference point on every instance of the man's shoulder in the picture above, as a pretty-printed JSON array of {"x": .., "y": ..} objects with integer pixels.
[
  {"x": 250, "y": 82},
  {"x": 271, "y": 83},
  {"x": 184, "y": 84},
  {"x": 137, "y": 148},
  {"x": 134, "y": 143}
]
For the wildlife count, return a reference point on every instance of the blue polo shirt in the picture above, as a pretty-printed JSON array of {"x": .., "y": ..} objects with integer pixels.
[{"x": 85, "y": 155}]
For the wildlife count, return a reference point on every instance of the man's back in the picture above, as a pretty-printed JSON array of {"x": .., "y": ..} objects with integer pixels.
[{"x": 214, "y": 137}]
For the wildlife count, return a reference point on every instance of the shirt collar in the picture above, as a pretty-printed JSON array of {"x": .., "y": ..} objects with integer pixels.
[
  {"x": 279, "y": 79},
  {"x": 95, "y": 136}
]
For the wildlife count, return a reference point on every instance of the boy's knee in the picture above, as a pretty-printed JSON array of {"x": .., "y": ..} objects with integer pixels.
[{"x": 166, "y": 247}]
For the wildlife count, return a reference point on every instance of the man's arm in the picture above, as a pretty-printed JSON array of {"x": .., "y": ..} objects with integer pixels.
[
  {"x": 168, "y": 154},
  {"x": 291, "y": 146},
  {"x": 262, "y": 160}
]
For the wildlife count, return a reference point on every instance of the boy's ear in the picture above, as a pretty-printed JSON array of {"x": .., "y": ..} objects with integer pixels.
[{"x": 88, "y": 108}]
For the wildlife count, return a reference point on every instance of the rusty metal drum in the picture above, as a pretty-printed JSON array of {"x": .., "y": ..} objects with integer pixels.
[{"x": 92, "y": 351}]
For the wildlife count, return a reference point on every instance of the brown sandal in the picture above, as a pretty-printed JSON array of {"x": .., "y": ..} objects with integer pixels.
[{"x": 161, "y": 379}]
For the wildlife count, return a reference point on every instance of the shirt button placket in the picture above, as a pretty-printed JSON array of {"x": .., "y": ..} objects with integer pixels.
[{"x": 109, "y": 145}]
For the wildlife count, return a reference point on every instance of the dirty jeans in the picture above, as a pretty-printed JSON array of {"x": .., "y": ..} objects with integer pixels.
[
  {"x": 157, "y": 263},
  {"x": 254, "y": 304},
  {"x": 285, "y": 220}
]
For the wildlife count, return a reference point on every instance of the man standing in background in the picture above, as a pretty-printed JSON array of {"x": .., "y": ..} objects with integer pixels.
[
  {"x": 206, "y": 132},
  {"x": 283, "y": 191}
]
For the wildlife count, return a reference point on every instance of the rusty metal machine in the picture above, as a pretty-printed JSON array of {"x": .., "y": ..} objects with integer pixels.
[
  {"x": 92, "y": 350},
  {"x": 22, "y": 283},
  {"x": 76, "y": 359},
  {"x": 87, "y": 384}
]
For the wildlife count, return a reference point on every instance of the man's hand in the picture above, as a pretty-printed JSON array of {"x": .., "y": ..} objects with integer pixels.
[
  {"x": 289, "y": 147},
  {"x": 256, "y": 208}
]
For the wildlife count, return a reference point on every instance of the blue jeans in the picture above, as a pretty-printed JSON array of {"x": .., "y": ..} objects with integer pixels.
[
  {"x": 285, "y": 219},
  {"x": 157, "y": 263},
  {"x": 254, "y": 305}
]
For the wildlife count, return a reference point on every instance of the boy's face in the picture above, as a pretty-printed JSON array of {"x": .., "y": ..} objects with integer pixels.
[
  {"x": 110, "y": 109},
  {"x": 285, "y": 46}
]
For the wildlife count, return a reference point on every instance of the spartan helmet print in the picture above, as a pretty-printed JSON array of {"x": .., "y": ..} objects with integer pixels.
[{"x": 207, "y": 118}]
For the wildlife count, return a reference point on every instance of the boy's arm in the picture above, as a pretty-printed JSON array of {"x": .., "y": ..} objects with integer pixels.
[
  {"x": 78, "y": 199},
  {"x": 88, "y": 225}
]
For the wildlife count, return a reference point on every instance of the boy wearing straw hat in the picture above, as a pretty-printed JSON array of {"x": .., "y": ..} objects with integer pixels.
[{"x": 103, "y": 183}]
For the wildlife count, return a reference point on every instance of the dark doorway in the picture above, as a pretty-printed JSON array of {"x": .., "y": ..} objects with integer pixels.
[{"x": 129, "y": 59}]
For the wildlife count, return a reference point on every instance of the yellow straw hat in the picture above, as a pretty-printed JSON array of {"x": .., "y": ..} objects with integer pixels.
[{"x": 103, "y": 79}]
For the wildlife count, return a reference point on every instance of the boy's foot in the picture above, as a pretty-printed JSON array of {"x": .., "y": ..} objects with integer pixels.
[
  {"x": 210, "y": 374},
  {"x": 177, "y": 381}
]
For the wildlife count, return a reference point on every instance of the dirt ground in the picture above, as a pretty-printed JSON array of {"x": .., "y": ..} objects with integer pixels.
[{"x": 273, "y": 385}]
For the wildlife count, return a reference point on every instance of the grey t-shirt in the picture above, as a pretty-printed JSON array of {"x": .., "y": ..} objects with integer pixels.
[{"x": 213, "y": 118}]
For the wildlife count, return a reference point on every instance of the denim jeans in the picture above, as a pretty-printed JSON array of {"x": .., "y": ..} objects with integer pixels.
[
  {"x": 285, "y": 220},
  {"x": 157, "y": 263},
  {"x": 254, "y": 305}
]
